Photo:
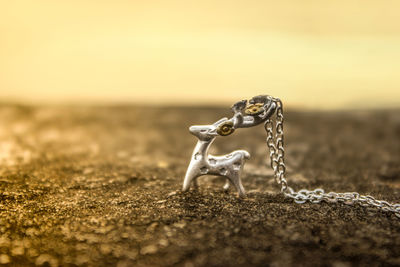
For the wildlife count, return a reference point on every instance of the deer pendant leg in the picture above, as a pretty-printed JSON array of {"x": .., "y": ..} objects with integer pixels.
[
  {"x": 236, "y": 181},
  {"x": 239, "y": 187},
  {"x": 227, "y": 185},
  {"x": 189, "y": 178}
]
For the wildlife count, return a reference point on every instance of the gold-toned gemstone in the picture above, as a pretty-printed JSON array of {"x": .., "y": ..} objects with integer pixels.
[
  {"x": 225, "y": 128},
  {"x": 254, "y": 109}
]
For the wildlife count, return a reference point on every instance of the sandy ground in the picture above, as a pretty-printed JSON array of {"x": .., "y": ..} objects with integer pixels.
[{"x": 101, "y": 187}]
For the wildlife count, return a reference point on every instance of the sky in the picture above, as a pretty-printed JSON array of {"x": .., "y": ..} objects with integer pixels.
[{"x": 310, "y": 53}]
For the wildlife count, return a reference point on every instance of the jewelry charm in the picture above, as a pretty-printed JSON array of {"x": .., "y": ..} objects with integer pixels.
[
  {"x": 230, "y": 165},
  {"x": 257, "y": 110}
]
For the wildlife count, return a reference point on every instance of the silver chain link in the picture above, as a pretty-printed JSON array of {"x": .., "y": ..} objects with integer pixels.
[{"x": 275, "y": 142}]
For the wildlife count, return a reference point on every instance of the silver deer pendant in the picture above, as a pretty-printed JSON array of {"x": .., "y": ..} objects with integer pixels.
[{"x": 230, "y": 166}]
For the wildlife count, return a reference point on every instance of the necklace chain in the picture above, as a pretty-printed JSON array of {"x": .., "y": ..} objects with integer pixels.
[{"x": 275, "y": 142}]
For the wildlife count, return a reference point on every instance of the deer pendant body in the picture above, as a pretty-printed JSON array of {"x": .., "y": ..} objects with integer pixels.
[
  {"x": 201, "y": 163},
  {"x": 230, "y": 165}
]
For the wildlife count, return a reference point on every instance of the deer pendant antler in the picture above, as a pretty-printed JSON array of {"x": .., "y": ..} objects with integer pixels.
[{"x": 259, "y": 109}]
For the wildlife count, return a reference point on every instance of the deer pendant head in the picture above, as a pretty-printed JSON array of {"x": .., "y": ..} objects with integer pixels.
[
  {"x": 206, "y": 132},
  {"x": 230, "y": 166}
]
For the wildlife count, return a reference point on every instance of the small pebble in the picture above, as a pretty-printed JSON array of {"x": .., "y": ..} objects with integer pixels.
[
  {"x": 32, "y": 253},
  {"x": 4, "y": 242},
  {"x": 4, "y": 259},
  {"x": 17, "y": 251},
  {"x": 131, "y": 254},
  {"x": 180, "y": 225},
  {"x": 172, "y": 194},
  {"x": 151, "y": 249},
  {"x": 163, "y": 242},
  {"x": 105, "y": 249},
  {"x": 46, "y": 259}
]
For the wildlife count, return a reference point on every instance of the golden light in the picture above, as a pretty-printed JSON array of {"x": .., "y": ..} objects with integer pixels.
[{"x": 313, "y": 54}]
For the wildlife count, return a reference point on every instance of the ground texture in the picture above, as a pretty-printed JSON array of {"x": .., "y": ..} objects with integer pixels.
[{"x": 100, "y": 186}]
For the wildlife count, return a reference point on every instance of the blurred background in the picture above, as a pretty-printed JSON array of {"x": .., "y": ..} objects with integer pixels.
[{"x": 313, "y": 54}]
